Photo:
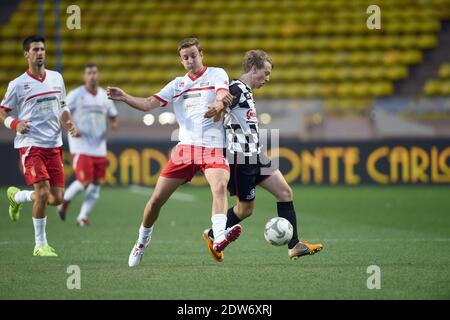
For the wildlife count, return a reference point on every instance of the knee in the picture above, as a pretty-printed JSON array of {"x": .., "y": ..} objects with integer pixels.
[
  {"x": 285, "y": 194},
  {"x": 219, "y": 189},
  {"x": 155, "y": 202},
  {"x": 245, "y": 210},
  {"x": 42, "y": 195},
  {"x": 58, "y": 199}
]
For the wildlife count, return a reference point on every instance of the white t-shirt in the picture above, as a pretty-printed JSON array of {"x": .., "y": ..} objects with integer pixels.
[
  {"x": 38, "y": 100},
  {"x": 191, "y": 97},
  {"x": 90, "y": 114}
]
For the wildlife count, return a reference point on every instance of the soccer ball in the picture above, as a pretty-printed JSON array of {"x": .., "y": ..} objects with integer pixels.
[{"x": 278, "y": 231}]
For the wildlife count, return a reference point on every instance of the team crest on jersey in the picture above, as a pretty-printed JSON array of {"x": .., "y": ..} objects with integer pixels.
[
  {"x": 251, "y": 113},
  {"x": 226, "y": 82},
  {"x": 26, "y": 86},
  {"x": 181, "y": 84}
]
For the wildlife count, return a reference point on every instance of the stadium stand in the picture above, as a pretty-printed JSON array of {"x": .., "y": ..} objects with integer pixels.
[{"x": 321, "y": 49}]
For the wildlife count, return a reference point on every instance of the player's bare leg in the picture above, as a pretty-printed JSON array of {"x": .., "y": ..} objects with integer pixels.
[
  {"x": 164, "y": 188},
  {"x": 277, "y": 185},
  {"x": 218, "y": 180},
  {"x": 56, "y": 196},
  {"x": 41, "y": 196}
]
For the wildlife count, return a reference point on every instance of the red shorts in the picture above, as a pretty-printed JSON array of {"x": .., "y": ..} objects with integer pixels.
[
  {"x": 88, "y": 169},
  {"x": 39, "y": 164},
  {"x": 186, "y": 160}
]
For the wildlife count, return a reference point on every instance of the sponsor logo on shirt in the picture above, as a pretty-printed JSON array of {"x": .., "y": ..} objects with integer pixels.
[
  {"x": 192, "y": 95},
  {"x": 251, "y": 114},
  {"x": 45, "y": 99},
  {"x": 204, "y": 84}
]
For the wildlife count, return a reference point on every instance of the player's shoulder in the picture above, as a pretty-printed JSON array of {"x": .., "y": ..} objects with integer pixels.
[
  {"x": 19, "y": 79},
  {"x": 101, "y": 91},
  {"x": 75, "y": 92},
  {"x": 216, "y": 70},
  {"x": 238, "y": 85},
  {"x": 54, "y": 75}
]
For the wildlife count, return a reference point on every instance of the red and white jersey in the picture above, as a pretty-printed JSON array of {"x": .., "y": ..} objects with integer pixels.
[
  {"x": 191, "y": 97},
  {"x": 90, "y": 112},
  {"x": 40, "y": 101}
]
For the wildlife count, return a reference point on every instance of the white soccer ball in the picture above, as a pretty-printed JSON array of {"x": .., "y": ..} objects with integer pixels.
[{"x": 278, "y": 231}]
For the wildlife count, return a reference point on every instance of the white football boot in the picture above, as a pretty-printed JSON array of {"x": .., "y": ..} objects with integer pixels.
[{"x": 137, "y": 253}]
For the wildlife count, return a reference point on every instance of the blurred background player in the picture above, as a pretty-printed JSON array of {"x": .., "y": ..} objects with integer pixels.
[
  {"x": 91, "y": 110},
  {"x": 248, "y": 163},
  {"x": 35, "y": 102},
  {"x": 201, "y": 143}
]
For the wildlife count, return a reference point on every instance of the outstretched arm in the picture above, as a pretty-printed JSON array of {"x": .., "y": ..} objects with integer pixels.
[{"x": 143, "y": 104}]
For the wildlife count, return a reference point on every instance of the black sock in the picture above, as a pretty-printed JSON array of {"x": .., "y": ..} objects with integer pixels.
[
  {"x": 232, "y": 218},
  {"x": 286, "y": 210}
]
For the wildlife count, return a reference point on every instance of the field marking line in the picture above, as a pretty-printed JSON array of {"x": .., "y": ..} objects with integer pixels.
[{"x": 176, "y": 195}]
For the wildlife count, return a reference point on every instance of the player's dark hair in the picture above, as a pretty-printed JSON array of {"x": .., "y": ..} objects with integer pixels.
[
  {"x": 34, "y": 38},
  {"x": 255, "y": 58},
  {"x": 189, "y": 42},
  {"x": 90, "y": 65}
]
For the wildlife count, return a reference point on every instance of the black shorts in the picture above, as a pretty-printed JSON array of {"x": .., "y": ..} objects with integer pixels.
[{"x": 244, "y": 178}]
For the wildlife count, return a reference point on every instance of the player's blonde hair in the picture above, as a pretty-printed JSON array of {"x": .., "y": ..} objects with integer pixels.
[
  {"x": 255, "y": 58},
  {"x": 189, "y": 42}
]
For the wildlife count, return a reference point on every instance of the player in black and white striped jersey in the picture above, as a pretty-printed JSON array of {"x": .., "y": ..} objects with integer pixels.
[{"x": 247, "y": 160}]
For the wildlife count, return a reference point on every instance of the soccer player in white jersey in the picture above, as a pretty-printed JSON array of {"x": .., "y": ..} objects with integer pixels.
[
  {"x": 34, "y": 107},
  {"x": 248, "y": 166},
  {"x": 91, "y": 111},
  {"x": 201, "y": 143}
]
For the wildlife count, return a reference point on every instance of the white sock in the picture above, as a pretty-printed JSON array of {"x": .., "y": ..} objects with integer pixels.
[
  {"x": 23, "y": 196},
  {"x": 219, "y": 222},
  {"x": 75, "y": 188},
  {"x": 144, "y": 234},
  {"x": 91, "y": 196},
  {"x": 39, "y": 231}
]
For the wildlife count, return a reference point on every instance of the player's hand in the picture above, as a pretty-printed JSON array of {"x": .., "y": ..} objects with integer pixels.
[
  {"x": 115, "y": 93},
  {"x": 215, "y": 114},
  {"x": 23, "y": 126},
  {"x": 227, "y": 99},
  {"x": 219, "y": 115},
  {"x": 73, "y": 131}
]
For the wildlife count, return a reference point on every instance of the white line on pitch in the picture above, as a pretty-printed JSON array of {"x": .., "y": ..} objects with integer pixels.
[{"x": 176, "y": 195}]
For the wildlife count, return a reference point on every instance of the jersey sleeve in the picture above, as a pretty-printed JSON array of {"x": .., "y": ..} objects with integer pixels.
[
  {"x": 166, "y": 94},
  {"x": 71, "y": 100},
  {"x": 9, "y": 102},
  {"x": 62, "y": 96},
  {"x": 220, "y": 80},
  {"x": 111, "y": 108},
  {"x": 236, "y": 92}
]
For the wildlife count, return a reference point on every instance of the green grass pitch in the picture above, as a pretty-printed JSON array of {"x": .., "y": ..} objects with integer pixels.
[{"x": 403, "y": 230}]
